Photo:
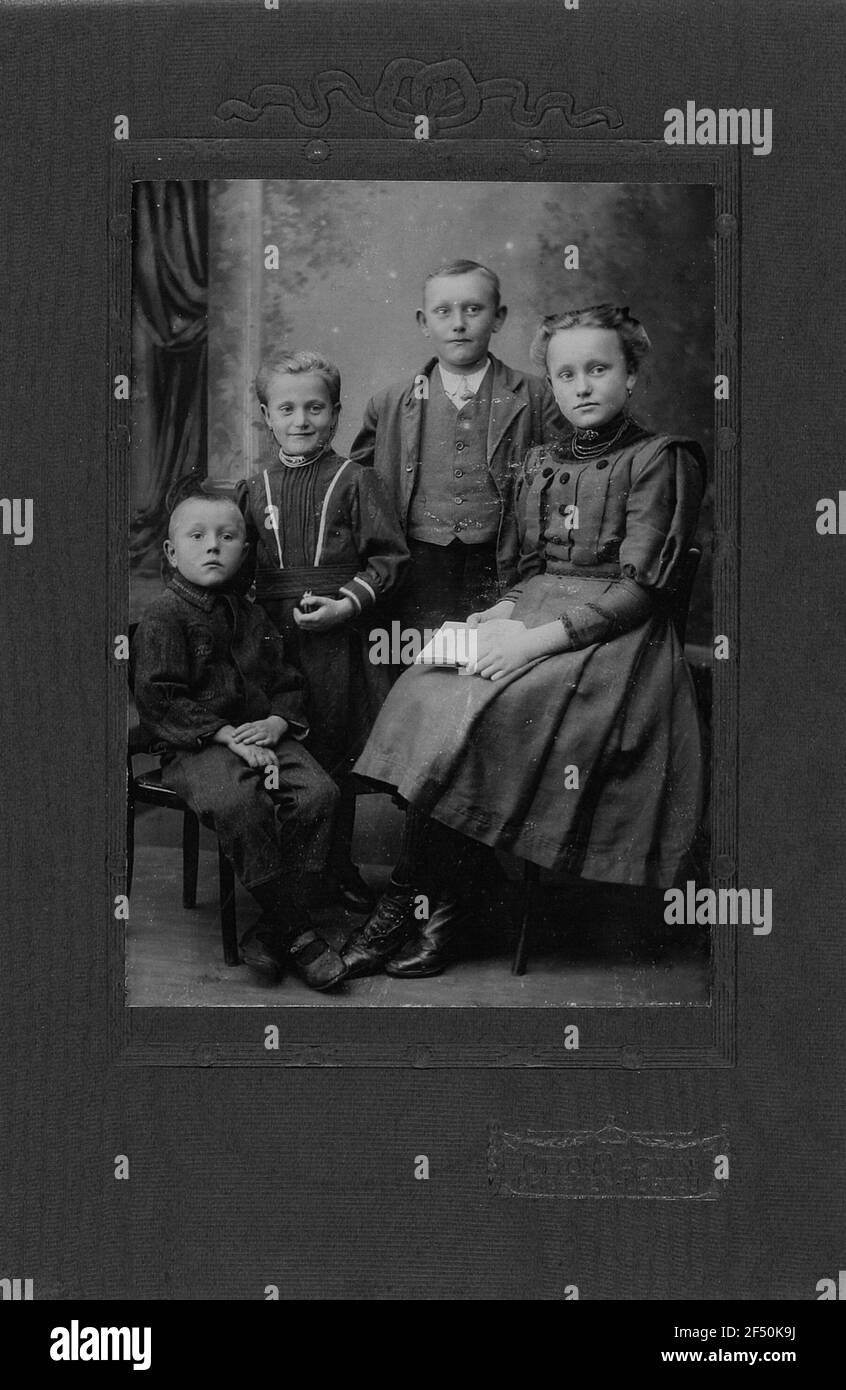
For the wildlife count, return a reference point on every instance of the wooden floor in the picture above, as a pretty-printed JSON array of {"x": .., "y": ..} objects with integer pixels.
[{"x": 175, "y": 958}]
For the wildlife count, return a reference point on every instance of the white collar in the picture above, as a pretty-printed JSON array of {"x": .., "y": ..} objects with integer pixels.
[{"x": 454, "y": 381}]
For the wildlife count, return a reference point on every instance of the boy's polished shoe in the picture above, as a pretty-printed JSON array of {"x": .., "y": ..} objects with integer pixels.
[
  {"x": 433, "y": 949},
  {"x": 314, "y": 960},
  {"x": 268, "y": 949},
  {"x": 383, "y": 933}
]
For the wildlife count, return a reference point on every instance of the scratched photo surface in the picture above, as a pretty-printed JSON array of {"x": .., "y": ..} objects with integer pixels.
[{"x": 228, "y": 271}]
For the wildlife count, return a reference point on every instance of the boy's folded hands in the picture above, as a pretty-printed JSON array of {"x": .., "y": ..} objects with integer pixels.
[
  {"x": 251, "y": 741},
  {"x": 263, "y": 732},
  {"x": 254, "y": 756}
]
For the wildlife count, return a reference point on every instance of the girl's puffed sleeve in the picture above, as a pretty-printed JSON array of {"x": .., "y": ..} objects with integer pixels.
[{"x": 662, "y": 510}]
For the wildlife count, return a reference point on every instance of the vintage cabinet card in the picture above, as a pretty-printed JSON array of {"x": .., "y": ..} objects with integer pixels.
[{"x": 331, "y": 974}]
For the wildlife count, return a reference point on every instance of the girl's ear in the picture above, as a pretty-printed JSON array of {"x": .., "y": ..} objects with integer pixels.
[
  {"x": 264, "y": 414},
  {"x": 631, "y": 382}
]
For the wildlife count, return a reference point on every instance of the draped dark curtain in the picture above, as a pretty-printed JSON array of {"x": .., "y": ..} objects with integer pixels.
[{"x": 170, "y": 302}]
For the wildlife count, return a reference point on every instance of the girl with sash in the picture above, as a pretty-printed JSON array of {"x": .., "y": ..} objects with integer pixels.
[{"x": 327, "y": 549}]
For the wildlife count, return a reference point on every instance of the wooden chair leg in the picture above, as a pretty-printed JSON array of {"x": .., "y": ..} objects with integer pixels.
[
  {"x": 228, "y": 924},
  {"x": 190, "y": 858},
  {"x": 531, "y": 877}
]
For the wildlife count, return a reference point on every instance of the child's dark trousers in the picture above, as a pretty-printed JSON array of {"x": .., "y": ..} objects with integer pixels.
[{"x": 264, "y": 833}]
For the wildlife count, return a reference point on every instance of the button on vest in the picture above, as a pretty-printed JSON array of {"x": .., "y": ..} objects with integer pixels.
[{"x": 454, "y": 496}]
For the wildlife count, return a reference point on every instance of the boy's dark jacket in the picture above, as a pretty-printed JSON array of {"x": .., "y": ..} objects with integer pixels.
[
  {"x": 523, "y": 414},
  {"x": 202, "y": 658}
]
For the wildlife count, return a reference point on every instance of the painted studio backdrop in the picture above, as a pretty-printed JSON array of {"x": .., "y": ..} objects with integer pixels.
[{"x": 352, "y": 257}]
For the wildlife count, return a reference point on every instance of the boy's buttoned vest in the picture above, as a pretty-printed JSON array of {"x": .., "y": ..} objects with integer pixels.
[{"x": 454, "y": 496}]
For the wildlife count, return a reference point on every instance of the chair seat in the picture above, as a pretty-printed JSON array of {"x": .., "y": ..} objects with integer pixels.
[{"x": 148, "y": 786}]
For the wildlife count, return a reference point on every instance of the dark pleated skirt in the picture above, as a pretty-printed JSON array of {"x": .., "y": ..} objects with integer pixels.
[{"x": 498, "y": 760}]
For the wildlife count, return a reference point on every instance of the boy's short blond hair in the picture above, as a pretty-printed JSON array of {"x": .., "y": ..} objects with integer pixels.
[
  {"x": 467, "y": 268},
  {"x": 288, "y": 363},
  {"x": 197, "y": 493}
]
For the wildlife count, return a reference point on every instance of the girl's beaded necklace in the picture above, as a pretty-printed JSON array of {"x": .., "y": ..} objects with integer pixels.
[{"x": 587, "y": 444}]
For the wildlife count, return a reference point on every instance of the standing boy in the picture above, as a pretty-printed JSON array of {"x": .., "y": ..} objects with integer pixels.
[
  {"x": 447, "y": 446},
  {"x": 224, "y": 708}
]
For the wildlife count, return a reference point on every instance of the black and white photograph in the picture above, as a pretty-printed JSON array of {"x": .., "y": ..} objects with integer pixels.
[
  {"x": 362, "y": 410},
  {"x": 421, "y": 557}
]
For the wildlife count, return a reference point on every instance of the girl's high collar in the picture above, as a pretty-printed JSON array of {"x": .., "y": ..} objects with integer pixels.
[
  {"x": 297, "y": 461},
  {"x": 614, "y": 434}
]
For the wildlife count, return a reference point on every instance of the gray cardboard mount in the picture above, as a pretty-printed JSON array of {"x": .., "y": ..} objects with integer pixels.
[{"x": 296, "y": 1168}]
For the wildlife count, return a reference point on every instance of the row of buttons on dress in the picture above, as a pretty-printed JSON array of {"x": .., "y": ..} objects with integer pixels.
[{"x": 565, "y": 477}]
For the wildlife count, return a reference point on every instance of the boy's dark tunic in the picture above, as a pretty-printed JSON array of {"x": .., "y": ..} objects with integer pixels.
[
  {"x": 202, "y": 659},
  {"x": 491, "y": 759},
  {"x": 336, "y": 534}
]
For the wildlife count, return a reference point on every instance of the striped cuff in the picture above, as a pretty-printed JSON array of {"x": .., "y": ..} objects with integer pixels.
[
  {"x": 348, "y": 593},
  {"x": 363, "y": 595}
]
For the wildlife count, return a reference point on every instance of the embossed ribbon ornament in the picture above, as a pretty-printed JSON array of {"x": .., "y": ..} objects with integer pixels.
[{"x": 446, "y": 92}]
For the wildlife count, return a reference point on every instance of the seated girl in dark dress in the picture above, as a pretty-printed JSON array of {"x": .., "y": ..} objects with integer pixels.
[{"x": 576, "y": 744}]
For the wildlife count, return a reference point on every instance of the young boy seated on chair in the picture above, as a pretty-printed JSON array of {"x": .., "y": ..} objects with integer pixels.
[{"x": 213, "y": 688}]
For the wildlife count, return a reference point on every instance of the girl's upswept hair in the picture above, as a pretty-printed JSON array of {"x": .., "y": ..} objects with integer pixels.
[
  {"x": 633, "y": 336},
  {"x": 286, "y": 363}
]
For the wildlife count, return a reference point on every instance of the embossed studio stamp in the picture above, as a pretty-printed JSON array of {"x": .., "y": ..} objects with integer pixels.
[{"x": 608, "y": 1162}]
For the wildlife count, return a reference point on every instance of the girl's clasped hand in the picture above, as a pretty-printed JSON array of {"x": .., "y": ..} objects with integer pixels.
[
  {"x": 324, "y": 613},
  {"x": 502, "y": 646}
]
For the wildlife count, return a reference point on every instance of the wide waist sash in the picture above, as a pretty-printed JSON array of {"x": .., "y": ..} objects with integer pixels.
[{"x": 325, "y": 580}]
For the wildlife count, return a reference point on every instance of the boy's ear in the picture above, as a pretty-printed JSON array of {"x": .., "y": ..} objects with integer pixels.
[
  {"x": 421, "y": 322},
  {"x": 499, "y": 318},
  {"x": 167, "y": 547}
]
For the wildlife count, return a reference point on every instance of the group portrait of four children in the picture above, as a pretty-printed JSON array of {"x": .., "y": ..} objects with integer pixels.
[{"x": 535, "y": 508}]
